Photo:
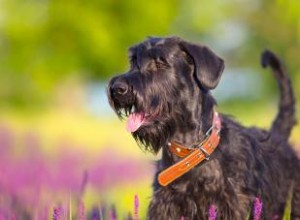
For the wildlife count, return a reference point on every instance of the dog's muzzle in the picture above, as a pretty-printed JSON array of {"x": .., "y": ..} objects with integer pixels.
[
  {"x": 119, "y": 89},
  {"x": 121, "y": 92}
]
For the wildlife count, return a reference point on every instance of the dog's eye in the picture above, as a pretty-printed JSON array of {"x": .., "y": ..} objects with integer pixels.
[{"x": 161, "y": 63}]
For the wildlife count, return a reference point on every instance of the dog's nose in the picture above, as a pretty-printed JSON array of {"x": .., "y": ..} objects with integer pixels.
[{"x": 119, "y": 88}]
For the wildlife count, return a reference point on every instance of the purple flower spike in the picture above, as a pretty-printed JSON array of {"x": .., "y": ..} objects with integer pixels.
[
  {"x": 96, "y": 214},
  {"x": 13, "y": 217},
  {"x": 136, "y": 207},
  {"x": 212, "y": 212},
  {"x": 56, "y": 214},
  {"x": 257, "y": 209},
  {"x": 81, "y": 211},
  {"x": 113, "y": 213},
  {"x": 182, "y": 218}
]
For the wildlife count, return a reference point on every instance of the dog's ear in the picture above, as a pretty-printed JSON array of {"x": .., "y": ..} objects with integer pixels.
[{"x": 208, "y": 66}]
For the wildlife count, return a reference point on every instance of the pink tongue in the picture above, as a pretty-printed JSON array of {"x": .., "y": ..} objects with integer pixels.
[{"x": 134, "y": 121}]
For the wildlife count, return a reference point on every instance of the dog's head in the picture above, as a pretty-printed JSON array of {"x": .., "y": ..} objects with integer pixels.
[{"x": 162, "y": 92}]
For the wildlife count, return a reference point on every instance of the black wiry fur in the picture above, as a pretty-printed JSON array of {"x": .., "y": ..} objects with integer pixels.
[{"x": 170, "y": 80}]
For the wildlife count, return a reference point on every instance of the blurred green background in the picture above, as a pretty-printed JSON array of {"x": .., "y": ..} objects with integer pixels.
[{"x": 56, "y": 57}]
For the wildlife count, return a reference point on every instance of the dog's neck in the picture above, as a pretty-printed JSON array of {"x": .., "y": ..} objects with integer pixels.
[
  {"x": 201, "y": 120},
  {"x": 197, "y": 125}
]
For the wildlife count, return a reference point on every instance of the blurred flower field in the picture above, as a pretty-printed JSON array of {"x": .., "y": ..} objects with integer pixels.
[
  {"x": 47, "y": 162},
  {"x": 64, "y": 159}
]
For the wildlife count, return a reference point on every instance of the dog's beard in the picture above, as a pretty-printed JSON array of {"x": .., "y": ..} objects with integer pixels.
[
  {"x": 155, "y": 135},
  {"x": 151, "y": 135},
  {"x": 160, "y": 124}
]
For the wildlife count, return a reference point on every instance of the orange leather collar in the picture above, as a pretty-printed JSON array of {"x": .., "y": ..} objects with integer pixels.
[{"x": 191, "y": 156}]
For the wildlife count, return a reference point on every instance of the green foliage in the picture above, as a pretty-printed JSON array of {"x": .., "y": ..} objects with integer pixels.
[
  {"x": 42, "y": 43},
  {"x": 64, "y": 37}
]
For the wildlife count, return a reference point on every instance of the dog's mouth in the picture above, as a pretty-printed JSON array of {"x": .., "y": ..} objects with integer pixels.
[{"x": 135, "y": 120}]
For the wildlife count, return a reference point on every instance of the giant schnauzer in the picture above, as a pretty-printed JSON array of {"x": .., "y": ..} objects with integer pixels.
[{"x": 207, "y": 158}]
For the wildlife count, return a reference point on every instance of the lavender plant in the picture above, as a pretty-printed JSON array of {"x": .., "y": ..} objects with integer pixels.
[
  {"x": 257, "y": 208},
  {"x": 212, "y": 212}
]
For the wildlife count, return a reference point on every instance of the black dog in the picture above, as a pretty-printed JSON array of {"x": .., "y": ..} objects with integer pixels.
[{"x": 206, "y": 158}]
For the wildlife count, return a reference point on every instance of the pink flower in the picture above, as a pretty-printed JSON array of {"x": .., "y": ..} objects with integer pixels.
[
  {"x": 113, "y": 213},
  {"x": 257, "y": 208},
  {"x": 212, "y": 212},
  {"x": 57, "y": 213},
  {"x": 136, "y": 207},
  {"x": 81, "y": 211}
]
